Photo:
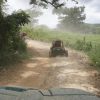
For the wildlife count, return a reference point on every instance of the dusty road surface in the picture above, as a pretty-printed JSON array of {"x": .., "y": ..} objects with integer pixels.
[{"x": 43, "y": 72}]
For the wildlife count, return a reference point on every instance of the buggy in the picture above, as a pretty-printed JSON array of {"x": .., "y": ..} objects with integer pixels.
[{"x": 57, "y": 49}]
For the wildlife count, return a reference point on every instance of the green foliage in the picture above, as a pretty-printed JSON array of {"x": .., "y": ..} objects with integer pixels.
[
  {"x": 10, "y": 56},
  {"x": 37, "y": 33},
  {"x": 93, "y": 51},
  {"x": 83, "y": 45},
  {"x": 95, "y": 55},
  {"x": 10, "y": 41}
]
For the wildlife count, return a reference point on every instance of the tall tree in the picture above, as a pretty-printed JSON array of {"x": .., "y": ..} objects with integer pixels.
[{"x": 70, "y": 18}]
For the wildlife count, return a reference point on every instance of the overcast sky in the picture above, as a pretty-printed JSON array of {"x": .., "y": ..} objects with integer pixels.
[{"x": 92, "y": 11}]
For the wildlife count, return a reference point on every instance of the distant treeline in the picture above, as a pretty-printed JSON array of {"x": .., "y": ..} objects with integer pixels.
[{"x": 93, "y": 28}]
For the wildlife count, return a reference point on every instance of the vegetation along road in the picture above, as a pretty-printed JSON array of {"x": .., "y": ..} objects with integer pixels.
[{"x": 40, "y": 71}]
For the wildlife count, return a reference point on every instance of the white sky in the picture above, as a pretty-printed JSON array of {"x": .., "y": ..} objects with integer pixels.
[{"x": 92, "y": 11}]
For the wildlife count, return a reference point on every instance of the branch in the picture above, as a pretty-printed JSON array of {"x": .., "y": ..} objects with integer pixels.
[{"x": 53, "y": 3}]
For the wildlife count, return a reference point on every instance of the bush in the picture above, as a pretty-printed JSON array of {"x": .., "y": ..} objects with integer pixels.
[
  {"x": 94, "y": 55},
  {"x": 9, "y": 55},
  {"x": 83, "y": 45}
]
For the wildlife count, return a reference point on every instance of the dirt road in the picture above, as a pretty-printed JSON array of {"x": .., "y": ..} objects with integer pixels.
[{"x": 43, "y": 72}]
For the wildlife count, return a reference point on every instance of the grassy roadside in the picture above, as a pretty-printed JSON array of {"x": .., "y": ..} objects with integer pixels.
[{"x": 89, "y": 43}]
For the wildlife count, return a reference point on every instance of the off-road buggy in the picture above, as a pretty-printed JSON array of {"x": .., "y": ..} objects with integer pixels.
[{"x": 57, "y": 49}]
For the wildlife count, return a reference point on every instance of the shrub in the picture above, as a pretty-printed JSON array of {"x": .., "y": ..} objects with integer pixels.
[
  {"x": 83, "y": 45},
  {"x": 94, "y": 55}
]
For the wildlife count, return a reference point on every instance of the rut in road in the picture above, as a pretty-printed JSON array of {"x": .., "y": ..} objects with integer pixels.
[{"x": 43, "y": 72}]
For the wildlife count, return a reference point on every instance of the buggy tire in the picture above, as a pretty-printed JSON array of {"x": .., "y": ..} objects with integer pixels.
[
  {"x": 50, "y": 55},
  {"x": 66, "y": 53}
]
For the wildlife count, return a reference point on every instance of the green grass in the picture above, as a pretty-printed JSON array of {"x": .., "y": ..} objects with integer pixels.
[
  {"x": 88, "y": 43},
  {"x": 48, "y": 35}
]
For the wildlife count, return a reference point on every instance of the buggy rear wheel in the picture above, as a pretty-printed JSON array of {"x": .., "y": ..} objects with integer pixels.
[
  {"x": 50, "y": 54},
  {"x": 66, "y": 53}
]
